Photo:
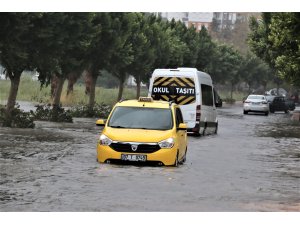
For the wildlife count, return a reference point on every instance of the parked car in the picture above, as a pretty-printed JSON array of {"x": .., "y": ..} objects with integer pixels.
[
  {"x": 291, "y": 104},
  {"x": 256, "y": 103},
  {"x": 145, "y": 131},
  {"x": 280, "y": 103}
]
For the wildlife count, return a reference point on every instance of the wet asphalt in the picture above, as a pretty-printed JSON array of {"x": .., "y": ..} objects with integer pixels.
[{"x": 252, "y": 164}]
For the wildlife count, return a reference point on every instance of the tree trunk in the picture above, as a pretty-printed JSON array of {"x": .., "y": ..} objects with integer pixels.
[
  {"x": 70, "y": 87},
  {"x": 72, "y": 79},
  {"x": 138, "y": 86},
  {"x": 11, "y": 101},
  {"x": 53, "y": 81},
  {"x": 14, "y": 86},
  {"x": 58, "y": 91},
  {"x": 92, "y": 92},
  {"x": 231, "y": 91},
  {"x": 121, "y": 86},
  {"x": 88, "y": 81},
  {"x": 265, "y": 86}
]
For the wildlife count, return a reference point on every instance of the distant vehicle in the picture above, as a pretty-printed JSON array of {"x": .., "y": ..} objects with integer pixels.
[
  {"x": 280, "y": 103},
  {"x": 277, "y": 92},
  {"x": 270, "y": 98},
  {"x": 291, "y": 104},
  {"x": 143, "y": 130},
  {"x": 193, "y": 90},
  {"x": 218, "y": 99},
  {"x": 256, "y": 103}
]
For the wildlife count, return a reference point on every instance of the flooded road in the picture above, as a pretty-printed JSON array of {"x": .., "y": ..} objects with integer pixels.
[{"x": 253, "y": 164}]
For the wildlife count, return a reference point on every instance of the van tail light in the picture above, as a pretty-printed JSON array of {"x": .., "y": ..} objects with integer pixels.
[{"x": 198, "y": 112}]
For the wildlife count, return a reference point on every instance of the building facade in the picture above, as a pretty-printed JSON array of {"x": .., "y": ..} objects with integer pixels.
[
  {"x": 225, "y": 20},
  {"x": 195, "y": 19},
  {"x": 222, "y": 20}
]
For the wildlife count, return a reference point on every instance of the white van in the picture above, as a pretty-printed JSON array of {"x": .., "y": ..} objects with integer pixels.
[{"x": 193, "y": 91}]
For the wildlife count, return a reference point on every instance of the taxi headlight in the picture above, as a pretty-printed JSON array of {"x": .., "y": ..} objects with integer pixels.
[
  {"x": 168, "y": 143},
  {"x": 104, "y": 140}
]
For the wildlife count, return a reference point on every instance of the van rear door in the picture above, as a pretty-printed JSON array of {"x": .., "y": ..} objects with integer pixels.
[{"x": 179, "y": 88}]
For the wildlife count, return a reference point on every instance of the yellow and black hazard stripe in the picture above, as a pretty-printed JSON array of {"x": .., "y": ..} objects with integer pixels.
[{"x": 181, "y": 90}]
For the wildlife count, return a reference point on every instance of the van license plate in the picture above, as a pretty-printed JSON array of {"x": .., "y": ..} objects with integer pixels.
[{"x": 130, "y": 157}]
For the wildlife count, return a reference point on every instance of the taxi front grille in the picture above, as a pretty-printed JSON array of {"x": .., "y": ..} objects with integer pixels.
[{"x": 141, "y": 148}]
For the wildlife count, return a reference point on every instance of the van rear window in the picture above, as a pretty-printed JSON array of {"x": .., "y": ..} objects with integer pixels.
[
  {"x": 207, "y": 95},
  {"x": 181, "y": 90}
]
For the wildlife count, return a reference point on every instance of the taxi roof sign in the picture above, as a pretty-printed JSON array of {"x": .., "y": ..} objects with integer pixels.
[{"x": 145, "y": 99}]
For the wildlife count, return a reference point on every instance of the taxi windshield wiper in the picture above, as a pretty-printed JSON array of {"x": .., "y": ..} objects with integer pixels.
[
  {"x": 117, "y": 127},
  {"x": 146, "y": 128}
]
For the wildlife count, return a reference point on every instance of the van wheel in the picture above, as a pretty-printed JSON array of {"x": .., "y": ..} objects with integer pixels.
[
  {"x": 196, "y": 134},
  {"x": 204, "y": 130},
  {"x": 217, "y": 126}
]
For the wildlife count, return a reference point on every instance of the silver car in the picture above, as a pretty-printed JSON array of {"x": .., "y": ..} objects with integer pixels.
[{"x": 256, "y": 103}]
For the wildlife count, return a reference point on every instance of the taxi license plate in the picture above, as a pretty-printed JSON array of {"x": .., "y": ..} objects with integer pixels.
[{"x": 131, "y": 157}]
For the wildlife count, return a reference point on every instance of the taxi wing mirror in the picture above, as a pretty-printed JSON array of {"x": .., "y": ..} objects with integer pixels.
[
  {"x": 100, "y": 122},
  {"x": 182, "y": 126}
]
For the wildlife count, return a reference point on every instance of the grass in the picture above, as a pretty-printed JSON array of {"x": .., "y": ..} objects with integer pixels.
[
  {"x": 30, "y": 90},
  {"x": 238, "y": 96}
]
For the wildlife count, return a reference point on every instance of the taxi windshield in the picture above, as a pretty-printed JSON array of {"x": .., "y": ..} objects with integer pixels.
[{"x": 141, "y": 118}]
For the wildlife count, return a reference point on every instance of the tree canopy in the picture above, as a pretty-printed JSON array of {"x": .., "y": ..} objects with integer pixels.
[
  {"x": 275, "y": 39},
  {"x": 135, "y": 44}
]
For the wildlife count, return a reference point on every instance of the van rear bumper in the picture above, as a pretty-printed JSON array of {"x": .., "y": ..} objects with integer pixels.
[
  {"x": 195, "y": 129},
  {"x": 200, "y": 126}
]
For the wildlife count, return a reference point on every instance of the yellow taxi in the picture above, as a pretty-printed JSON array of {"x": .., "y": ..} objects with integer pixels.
[{"x": 143, "y": 130}]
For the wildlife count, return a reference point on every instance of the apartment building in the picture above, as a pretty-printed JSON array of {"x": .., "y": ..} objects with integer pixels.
[
  {"x": 195, "y": 19},
  {"x": 225, "y": 20}
]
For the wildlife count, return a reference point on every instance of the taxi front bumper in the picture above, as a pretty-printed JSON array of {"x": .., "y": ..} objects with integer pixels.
[{"x": 166, "y": 156}]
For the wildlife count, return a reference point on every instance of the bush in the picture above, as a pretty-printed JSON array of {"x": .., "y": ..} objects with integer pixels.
[
  {"x": 55, "y": 114},
  {"x": 98, "y": 111},
  {"x": 18, "y": 118}
]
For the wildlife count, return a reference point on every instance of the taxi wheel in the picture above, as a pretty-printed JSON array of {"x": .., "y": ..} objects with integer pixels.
[
  {"x": 176, "y": 161},
  {"x": 184, "y": 157}
]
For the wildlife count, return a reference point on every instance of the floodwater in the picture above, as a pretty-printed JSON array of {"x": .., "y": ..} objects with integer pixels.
[{"x": 253, "y": 164}]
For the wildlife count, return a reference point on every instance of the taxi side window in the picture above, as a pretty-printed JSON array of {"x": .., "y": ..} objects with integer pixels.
[{"x": 179, "y": 118}]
